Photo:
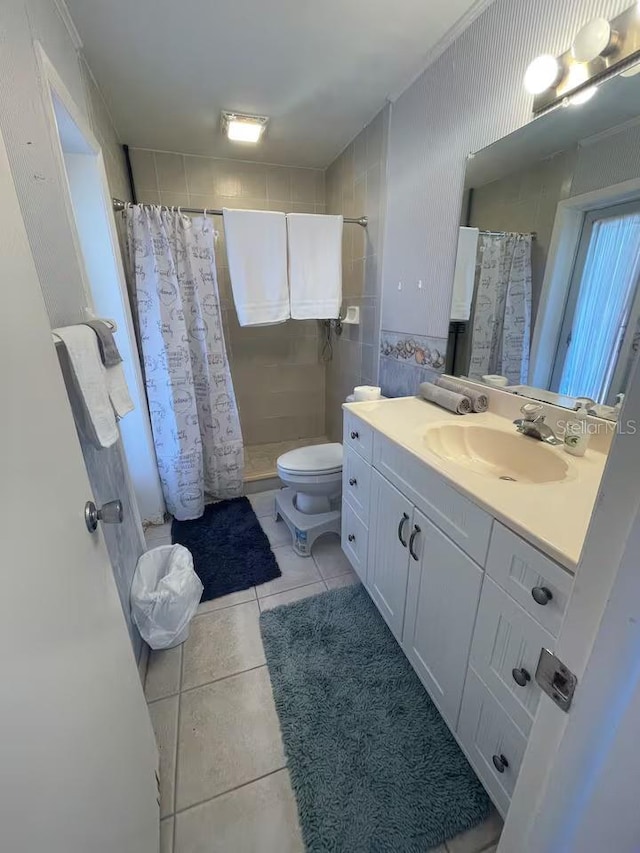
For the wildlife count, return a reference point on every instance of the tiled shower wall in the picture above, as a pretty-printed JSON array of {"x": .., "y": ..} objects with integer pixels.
[
  {"x": 356, "y": 186},
  {"x": 277, "y": 371}
]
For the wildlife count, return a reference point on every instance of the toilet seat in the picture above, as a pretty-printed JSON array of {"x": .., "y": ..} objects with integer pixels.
[{"x": 315, "y": 460}]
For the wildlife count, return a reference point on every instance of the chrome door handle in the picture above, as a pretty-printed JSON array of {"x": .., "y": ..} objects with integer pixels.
[
  {"x": 416, "y": 530},
  {"x": 109, "y": 513},
  {"x": 403, "y": 520}
]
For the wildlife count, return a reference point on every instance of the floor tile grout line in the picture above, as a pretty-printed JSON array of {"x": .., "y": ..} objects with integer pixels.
[
  {"x": 222, "y": 794},
  {"x": 175, "y": 769},
  {"x": 222, "y": 678},
  {"x": 197, "y": 615},
  {"x": 290, "y": 589}
]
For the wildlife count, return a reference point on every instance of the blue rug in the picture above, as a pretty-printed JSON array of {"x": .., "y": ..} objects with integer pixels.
[
  {"x": 372, "y": 763},
  {"x": 230, "y": 550}
]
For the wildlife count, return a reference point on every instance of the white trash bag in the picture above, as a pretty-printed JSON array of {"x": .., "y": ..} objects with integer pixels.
[{"x": 164, "y": 595}]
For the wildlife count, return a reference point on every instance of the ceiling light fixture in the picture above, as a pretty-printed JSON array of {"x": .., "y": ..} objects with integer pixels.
[
  {"x": 542, "y": 74},
  {"x": 241, "y": 127}
]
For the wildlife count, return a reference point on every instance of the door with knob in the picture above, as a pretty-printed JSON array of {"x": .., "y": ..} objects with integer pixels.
[
  {"x": 79, "y": 757},
  {"x": 390, "y": 530},
  {"x": 442, "y": 599}
]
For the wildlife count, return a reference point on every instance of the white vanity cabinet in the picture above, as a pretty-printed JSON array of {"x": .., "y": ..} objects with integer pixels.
[{"x": 470, "y": 602}]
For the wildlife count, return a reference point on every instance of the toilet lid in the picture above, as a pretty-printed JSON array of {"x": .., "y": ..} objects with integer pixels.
[{"x": 315, "y": 459}]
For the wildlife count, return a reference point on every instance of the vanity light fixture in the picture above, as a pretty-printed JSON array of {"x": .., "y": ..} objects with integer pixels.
[
  {"x": 241, "y": 127},
  {"x": 600, "y": 49},
  {"x": 542, "y": 74},
  {"x": 596, "y": 38}
]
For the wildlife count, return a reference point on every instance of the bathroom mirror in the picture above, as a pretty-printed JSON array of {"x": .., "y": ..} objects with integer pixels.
[{"x": 546, "y": 300}]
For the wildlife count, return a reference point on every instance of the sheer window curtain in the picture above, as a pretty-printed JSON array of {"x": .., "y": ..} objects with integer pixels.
[
  {"x": 608, "y": 285},
  {"x": 501, "y": 326},
  {"x": 194, "y": 416}
]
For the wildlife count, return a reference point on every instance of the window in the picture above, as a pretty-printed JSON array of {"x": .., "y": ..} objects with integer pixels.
[{"x": 602, "y": 308}]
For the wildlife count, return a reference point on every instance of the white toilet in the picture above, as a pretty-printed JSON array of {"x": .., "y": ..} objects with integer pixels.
[{"x": 310, "y": 503}]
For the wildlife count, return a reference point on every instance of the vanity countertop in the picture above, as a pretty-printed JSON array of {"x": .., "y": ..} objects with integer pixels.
[{"x": 553, "y": 516}]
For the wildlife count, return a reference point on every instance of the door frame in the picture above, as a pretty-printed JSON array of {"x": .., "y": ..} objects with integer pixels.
[
  {"x": 598, "y": 641},
  {"x": 148, "y": 491}
]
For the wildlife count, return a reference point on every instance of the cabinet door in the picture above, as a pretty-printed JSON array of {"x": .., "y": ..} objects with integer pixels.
[
  {"x": 505, "y": 650},
  {"x": 493, "y": 743},
  {"x": 442, "y": 599},
  {"x": 389, "y": 530}
]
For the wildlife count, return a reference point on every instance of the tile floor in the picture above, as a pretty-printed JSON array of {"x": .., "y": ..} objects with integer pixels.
[
  {"x": 260, "y": 459},
  {"x": 223, "y": 777}
]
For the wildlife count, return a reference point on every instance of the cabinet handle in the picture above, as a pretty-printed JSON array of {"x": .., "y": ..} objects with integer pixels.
[
  {"x": 416, "y": 530},
  {"x": 500, "y": 762},
  {"x": 353, "y": 482},
  {"x": 355, "y": 435},
  {"x": 351, "y": 537},
  {"x": 403, "y": 520},
  {"x": 521, "y": 676},
  {"x": 541, "y": 595}
]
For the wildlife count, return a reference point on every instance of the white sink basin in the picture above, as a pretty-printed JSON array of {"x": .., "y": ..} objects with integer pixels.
[{"x": 496, "y": 453}]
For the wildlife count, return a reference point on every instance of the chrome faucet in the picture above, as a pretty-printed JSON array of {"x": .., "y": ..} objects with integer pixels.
[{"x": 533, "y": 425}]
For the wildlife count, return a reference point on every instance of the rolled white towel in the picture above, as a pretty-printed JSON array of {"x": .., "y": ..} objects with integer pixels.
[
  {"x": 457, "y": 403},
  {"x": 479, "y": 400}
]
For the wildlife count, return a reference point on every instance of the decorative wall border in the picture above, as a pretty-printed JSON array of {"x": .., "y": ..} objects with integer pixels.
[{"x": 414, "y": 349}]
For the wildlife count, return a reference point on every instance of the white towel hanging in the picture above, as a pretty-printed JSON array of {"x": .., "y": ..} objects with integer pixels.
[{"x": 315, "y": 265}]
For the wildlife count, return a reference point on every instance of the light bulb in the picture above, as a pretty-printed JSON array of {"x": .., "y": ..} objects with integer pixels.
[
  {"x": 541, "y": 74},
  {"x": 583, "y": 97}
]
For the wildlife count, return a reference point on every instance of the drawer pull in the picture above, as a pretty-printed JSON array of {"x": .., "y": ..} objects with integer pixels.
[
  {"x": 355, "y": 434},
  {"x": 416, "y": 530},
  {"x": 521, "y": 676},
  {"x": 500, "y": 762},
  {"x": 541, "y": 595},
  {"x": 403, "y": 520},
  {"x": 353, "y": 482},
  {"x": 351, "y": 537}
]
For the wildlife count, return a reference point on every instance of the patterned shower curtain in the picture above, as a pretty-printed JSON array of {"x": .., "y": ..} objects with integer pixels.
[
  {"x": 501, "y": 328},
  {"x": 194, "y": 416}
]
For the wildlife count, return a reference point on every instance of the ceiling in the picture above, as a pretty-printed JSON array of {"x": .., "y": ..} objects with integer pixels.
[{"x": 321, "y": 70}]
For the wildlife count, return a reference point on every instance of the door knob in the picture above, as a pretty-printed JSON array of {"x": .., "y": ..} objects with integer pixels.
[
  {"x": 541, "y": 595},
  {"x": 109, "y": 513},
  {"x": 520, "y": 676},
  {"x": 500, "y": 762},
  {"x": 353, "y": 482}
]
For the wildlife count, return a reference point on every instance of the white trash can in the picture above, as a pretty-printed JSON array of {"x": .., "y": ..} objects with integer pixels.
[{"x": 165, "y": 594}]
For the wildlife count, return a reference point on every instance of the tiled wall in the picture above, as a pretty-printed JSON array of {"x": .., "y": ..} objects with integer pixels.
[
  {"x": 278, "y": 375},
  {"x": 356, "y": 186},
  {"x": 462, "y": 102}
]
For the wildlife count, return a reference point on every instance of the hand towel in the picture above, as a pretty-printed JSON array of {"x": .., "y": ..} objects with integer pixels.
[
  {"x": 90, "y": 378},
  {"x": 119, "y": 391},
  {"x": 257, "y": 253},
  {"x": 457, "y": 403},
  {"x": 465, "y": 274},
  {"x": 479, "y": 400},
  {"x": 315, "y": 265},
  {"x": 106, "y": 342}
]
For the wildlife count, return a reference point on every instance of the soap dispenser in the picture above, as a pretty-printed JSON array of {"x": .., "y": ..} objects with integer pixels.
[{"x": 576, "y": 435}]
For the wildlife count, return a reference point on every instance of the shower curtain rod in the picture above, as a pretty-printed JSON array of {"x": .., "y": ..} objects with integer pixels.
[
  {"x": 118, "y": 204},
  {"x": 532, "y": 234}
]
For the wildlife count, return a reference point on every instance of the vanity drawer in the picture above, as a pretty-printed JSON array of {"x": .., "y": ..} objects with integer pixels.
[
  {"x": 355, "y": 540},
  {"x": 505, "y": 651},
  {"x": 519, "y": 568},
  {"x": 461, "y": 519},
  {"x": 356, "y": 480},
  {"x": 489, "y": 737},
  {"x": 357, "y": 435}
]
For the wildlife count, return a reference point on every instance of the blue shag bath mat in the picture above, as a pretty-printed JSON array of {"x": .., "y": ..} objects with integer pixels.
[
  {"x": 230, "y": 550},
  {"x": 373, "y": 765}
]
